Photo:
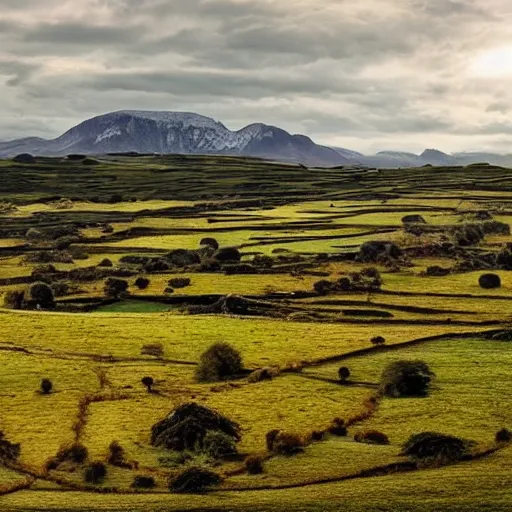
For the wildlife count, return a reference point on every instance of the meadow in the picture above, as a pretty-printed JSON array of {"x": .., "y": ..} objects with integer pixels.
[{"x": 317, "y": 264}]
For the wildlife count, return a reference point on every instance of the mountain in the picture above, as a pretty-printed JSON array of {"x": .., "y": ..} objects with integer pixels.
[
  {"x": 176, "y": 132},
  {"x": 188, "y": 133}
]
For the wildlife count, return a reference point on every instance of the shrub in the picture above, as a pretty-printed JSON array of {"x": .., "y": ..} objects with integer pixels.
[
  {"x": 46, "y": 386},
  {"x": 169, "y": 290},
  {"x": 114, "y": 287},
  {"x": 228, "y": 254},
  {"x": 378, "y": 340},
  {"x": 338, "y": 428},
  {"x": 413, "y": 219},
  {"x": 143, "y": 482},
  {"x": 379, "y": 252},
  {"x": 219, "y": 445},
  {"x": 437, "y": 271},
  {"x": 263, "y": 374},
  {"x": 489, "y": 281},
  {"x": 210, "y": 242},
  {"x": 105, "y": 262},
  {"x": 371, "y": 437},
  {"x": 219, "y": 362},
  {"x": 41, "y": 295},
  {"x": 187, "y": 426},
  {"x": 78, "y": 253},
  {"x": 107, "y": 229},
  {"x": 317, "y": 435},
  {"x": 262, "y": 260},
  {"x": 504, "y": 436},
  {"x": 24, "y": 158},
  {"x": 148, "y": 382},
  {"x": 116, "y": 455},
  {"x": 60, "y": 288},
  {"x": 142, "y": 283},
  {"x": 429, "y": 445},
  {"x": 95, "y": 473},
  {"x": 152, "y": 349},
  {"x": 194, "y": 480},
  {"x": 183, "y": 257},
  {"x": 287, "y": 443},
  {"x": 14, "y": 299},
  {"x": 254, "y": 464},
  {"x": 343, "y": 374},
  {"x": 76, "y": 453},
  {"x": 468, "y": 234},
  {"x": 406, "y": 378},
  {"x": 179, "y": 282},
  {"x": 9, "y": 452},
  {"x": 270, "y": 439},
  {"x": 323, "y": 286}
]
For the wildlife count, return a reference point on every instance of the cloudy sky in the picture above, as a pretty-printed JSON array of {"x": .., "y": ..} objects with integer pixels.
[{"x": 363, "y": 74}]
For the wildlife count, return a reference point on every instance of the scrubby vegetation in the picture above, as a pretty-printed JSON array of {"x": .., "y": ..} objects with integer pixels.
[
  {"x": 219, "y": 362},
  {"x": 432, "y": 445},
  {"x": 406, "y": 378}
]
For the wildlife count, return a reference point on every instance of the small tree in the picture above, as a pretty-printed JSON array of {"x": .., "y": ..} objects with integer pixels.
[
  {"x": 344, "y": 374},
  {"x": 14, "y": 299},
  {"x": 41, "y": 295},
  {"x": 219, "y": 445},
  {"x": 194, "y": 480},
  {"x": 504, "y": 436},
  {"x": 406, "y": 378},
  {"x": 148, "y": 382},
  {"x": 95, "y": 473},
  {"x": 142, "y": 283},
  {"x": 378, "y": 340},
  {"x": 46, "y": 386},
  {"x": 219, "y": 362},
  {"x": 228, "y": 254},
  {"x": 115, "y": 287}
]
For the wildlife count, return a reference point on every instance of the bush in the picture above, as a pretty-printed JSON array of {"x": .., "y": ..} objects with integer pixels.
[
  {"x": 41, "y": 295},
  {"x": 9, "y": 452},
  {"x": 379, "y": 252},
  {"x": 323, "y": 286},
  {"x": 287, "y": 443},
  {"x": 183, "y": 257},
  {"x": 76, "y": 453},
  {"x": 338, "y": 428},
  {"x": 143, "y": 482},
  {"x": 343, "y": 374},
  {"x": 219, "y": 362},
  {"x": 261, "y": 260},
  {"x": 142, "y": 283},
  {"x": 14, "y": 299},
  {"x": 254, "y": 465},
  {"x": 489, "y": 281},
  {"x": 437, "y": 271},
  {"x": 371, "y": 437},
  {"x": 152, "y": 349},
  {"x": 468, "y": 234},
  {"x": 95, "y": 473},
  {"x": 24, "y": 158},
  {"x": 148, "y": 382},
  {"x": 210, "y": 242},
  {"x": 179, "y": 282},
  {"x": 228, "y": 254},
  {"x": 263, "y": 374},
  {"x": 46, "y": 386},
  {"x": 116, "y": 455},
  {"x": 406, "y": 378},
  {"x": 194, "y": 480},
  {"x": 317, "y": 435},
  {"x": 432, "y": 445},
  {"x": 60, "y": 288},
  {"x": 187, "y": 426},
  {"x": 105, "y": 262},
  {"x": 114, "y": 287},
  {"x": 378, "y": 340},
  {"x": 413, "y": 219},
  {"x": 504, "y": 436},
  {"x": 219, "y": 445},
  {"x": 270, "y": 439},
  {"x": 78, "y": 253}
]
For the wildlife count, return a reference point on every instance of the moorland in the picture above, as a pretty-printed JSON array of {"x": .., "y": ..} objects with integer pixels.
[{"x": 222, "y": 333}]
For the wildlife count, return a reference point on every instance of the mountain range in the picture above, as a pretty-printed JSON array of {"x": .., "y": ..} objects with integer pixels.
[{"x": 189, "y": 133}]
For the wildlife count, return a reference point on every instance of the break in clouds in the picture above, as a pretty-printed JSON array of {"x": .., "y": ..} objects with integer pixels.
[{"x": 369, "y": 75}]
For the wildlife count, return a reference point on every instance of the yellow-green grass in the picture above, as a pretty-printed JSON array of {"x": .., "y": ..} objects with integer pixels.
[
  {"x": 185, "y": 337},
  {"x": 469, "y": 398},
  {"x": 11, "y": 242}
]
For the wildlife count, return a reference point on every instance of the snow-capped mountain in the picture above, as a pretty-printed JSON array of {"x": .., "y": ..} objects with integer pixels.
[{"x": 176, "y": 132}]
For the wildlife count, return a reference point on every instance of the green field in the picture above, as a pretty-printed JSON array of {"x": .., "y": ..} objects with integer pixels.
[{"x": 292, "y": 227}]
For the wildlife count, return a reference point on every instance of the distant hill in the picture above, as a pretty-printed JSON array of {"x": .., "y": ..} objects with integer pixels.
[{"x": 189, "y": 133}]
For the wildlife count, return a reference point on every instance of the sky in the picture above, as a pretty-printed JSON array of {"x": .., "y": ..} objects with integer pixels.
[{"x": 368, "y": 75}]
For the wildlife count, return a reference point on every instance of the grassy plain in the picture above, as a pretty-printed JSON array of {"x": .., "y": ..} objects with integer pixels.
[{"x": 311, "y": 222}]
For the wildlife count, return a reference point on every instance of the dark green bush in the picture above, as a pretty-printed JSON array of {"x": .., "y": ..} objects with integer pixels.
[
  {"x": 219, "y": 362},
  {"x": 40, "y": 295},
  {"x": 142, "y": 283},
  {"x": 183, "y": 257},
  {"x": 105, "y": 262},
  {"x": 60, "y": 288},
  {"x": 504, "y": 436},
  {"x": 9, "y": 452},
  {"x": 143, "y": 482},
  {"x": 343, "y": 374},
  {"x": 95, "y": 473},
  {"x": 406, "y": 378},
  {"x": 76, "y": 453},
  {"x": 46, "y": 386},
  {"x": 24, "y": 158},
  {"x": 288, "y": 443},
  {"x": 371, "y": 437},
  {"x": 218, "y": 445},
  {"x": 270, "y": 439},
  {"x": 338, "y": 428},
  {"x": 378, "y": 340},
  {"x": 489, "y": 281},
  {"x": 114, "y": 287},
  {"x": 227, "y": 254},
  {"x": 14, "y": 299},
  {"x": 432, "y": 445},
  {"x": 179, "y": 282},
  {"x": 194, "y": 480},
  {"x": 148, "y": 382},
  {"x": 323, "y": 287},
  {"x": 210, "y": 242}
]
